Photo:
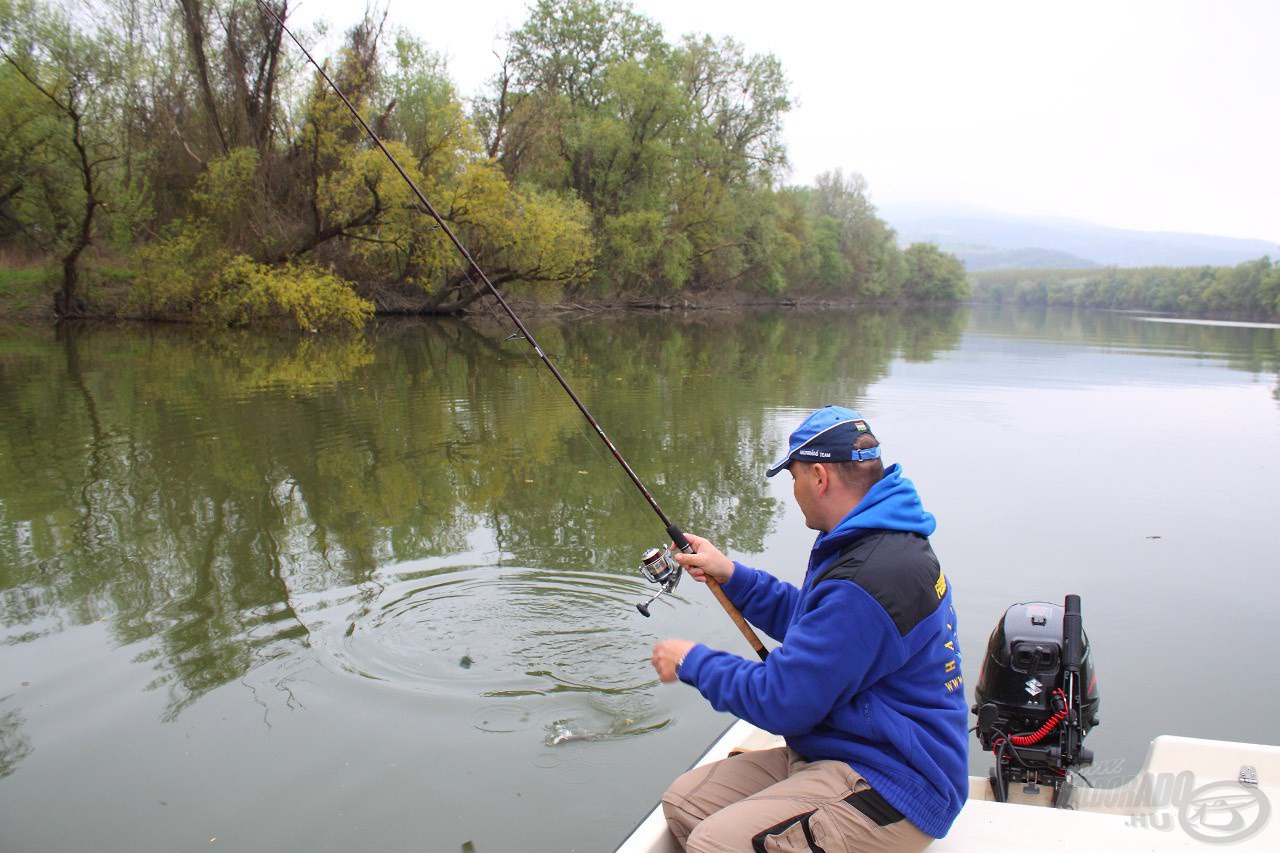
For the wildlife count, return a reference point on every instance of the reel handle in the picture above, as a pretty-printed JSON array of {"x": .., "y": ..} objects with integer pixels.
[
  {"x": 681, "y": 542},
  {"x": 643, "y": 607}
]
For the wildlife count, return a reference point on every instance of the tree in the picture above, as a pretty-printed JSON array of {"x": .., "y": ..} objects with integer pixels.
[
  {"x": 933, "y": 275},
  {"x": 67, "y": 73},
  {"x": 727, "y": 153},
  {"x": 739, "y": 102},
  {"x": 666, "y": 145},
  {"x": 1245, "y": 290},
  {"x": 424, "y": 109},
  {"x": 1269, "y": 289},
  {"x": 524, "y": 239},
  {"x": 234, "y": 52},
  {"x": 604, "y": 157},
  {"x": 865, "y": 242},
  {"x": 198, "y": 270},
  {"x": 27, "y": 121},
  {"x": 567, "y": 46}
]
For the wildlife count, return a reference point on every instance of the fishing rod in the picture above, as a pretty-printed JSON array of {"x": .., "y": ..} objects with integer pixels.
[{"x": 656, "y": 565}]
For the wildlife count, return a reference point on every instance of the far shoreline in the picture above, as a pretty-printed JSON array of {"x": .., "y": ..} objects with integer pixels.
[{"x": 44, "y": 315}]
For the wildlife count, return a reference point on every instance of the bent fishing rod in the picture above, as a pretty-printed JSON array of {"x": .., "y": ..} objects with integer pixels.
[{"x": 656, "y": 564}]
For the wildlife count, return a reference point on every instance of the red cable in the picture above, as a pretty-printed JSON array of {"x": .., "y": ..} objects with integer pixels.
[{"x": 1038, "y": 734}]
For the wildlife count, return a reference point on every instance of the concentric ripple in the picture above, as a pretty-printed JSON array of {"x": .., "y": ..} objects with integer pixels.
[{"x": 497, "y": 633}]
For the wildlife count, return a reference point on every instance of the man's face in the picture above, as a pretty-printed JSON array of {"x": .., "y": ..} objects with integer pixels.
[{"x": 804, "y": 488}]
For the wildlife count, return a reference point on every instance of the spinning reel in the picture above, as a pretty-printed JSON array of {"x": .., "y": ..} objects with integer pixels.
[{"x": 658, "y": 566}]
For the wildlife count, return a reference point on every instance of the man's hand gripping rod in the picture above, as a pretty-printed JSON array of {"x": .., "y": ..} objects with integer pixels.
[{"x": 659, "y": 568}]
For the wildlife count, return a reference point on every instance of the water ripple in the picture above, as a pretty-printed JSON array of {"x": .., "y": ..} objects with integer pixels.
[{"x": 497, "y": 633}]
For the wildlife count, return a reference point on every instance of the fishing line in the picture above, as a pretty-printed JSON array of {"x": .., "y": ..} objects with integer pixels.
[
  {"x": 503, "y": 323},
  {"x": 661, "y": 571}
]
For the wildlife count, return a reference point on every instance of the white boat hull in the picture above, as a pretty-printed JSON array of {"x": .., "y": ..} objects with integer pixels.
[{"x": 1185, "y": 797}]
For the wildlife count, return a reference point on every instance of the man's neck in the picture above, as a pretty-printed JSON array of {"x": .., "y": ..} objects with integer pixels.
[{"x": 840, "y": 507}]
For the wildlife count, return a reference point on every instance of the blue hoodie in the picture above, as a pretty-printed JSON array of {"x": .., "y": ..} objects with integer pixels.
[{"x": 868, "y": 670}]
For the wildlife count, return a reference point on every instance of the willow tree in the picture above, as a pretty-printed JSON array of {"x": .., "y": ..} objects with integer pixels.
[
  {"x": 367, "y": 222},
  {"x": 729, "y": 157},
  {"x": 235, "y": 54},
  {"x": 199, "y": 270},
  {"x": 561, "y": 111},
  {"x": 57, "y": 85},
  {"x": 865, "y": 242},
  {"x": 666, "y": 144},
  {"x": 586, "y": 105}
]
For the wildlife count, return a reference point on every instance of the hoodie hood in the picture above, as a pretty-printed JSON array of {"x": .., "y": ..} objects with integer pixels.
[{"x": 891, "y": 504}]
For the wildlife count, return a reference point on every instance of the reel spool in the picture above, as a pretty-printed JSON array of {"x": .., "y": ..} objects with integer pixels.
[{"x": 658, "y": 566}]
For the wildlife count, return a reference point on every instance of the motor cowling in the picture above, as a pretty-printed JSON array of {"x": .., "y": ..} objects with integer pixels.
[{"x": 1036, "y": 696}]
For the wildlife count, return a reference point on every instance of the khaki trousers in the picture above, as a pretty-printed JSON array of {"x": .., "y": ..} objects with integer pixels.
[{"x": 771, "y": 799}]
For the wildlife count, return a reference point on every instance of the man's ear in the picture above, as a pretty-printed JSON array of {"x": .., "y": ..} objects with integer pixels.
[{"x": 822, "y": 475}]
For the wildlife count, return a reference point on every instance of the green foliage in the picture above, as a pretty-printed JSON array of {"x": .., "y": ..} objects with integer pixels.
[
  {"x": 604, "y": 156},
  {"x": 224, "y": 189},
  {"x": 66, "y": 186},
  {"x": 183, "y": 275},
  {"x": 567, "y": 46},
  {"x": 24, "y": 290},
  {"x": 428, "y": 116},
  {"x": 38, "y": 180},
  {"x": 638, "y": 254},
  {"x": 174, "y": 271},
  {"x": 832, "y": 268},
  {"x": 847, "y": 249},
  {"x": 244, "y": 293},
  {"x": 371, "y": 226},
  {"x": 667, "y": 145},
  {"x": 535, "y": 238},
  {"x": 738, "y": 102},
  {"x": 933, "y": 275},
  {"x": 34, "y": 165},
  {"x": 767, "y": 242},
  {"x": 370, "y": 212},
  {"x": 865, "y": 241},
  {"x": 196, "y": 270}
]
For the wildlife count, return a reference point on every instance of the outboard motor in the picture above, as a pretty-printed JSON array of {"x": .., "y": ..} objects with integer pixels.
[{"x": 1036, "y": 699}]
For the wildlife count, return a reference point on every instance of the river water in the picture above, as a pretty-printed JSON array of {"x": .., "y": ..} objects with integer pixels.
[{"x": 281, "y": 593}]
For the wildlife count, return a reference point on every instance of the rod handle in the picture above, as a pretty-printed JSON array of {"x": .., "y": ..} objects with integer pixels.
[
  {"x": 678, "y": 537},
  {"x": 737, "y": 618},
  {"x": 681, "y": 542}
]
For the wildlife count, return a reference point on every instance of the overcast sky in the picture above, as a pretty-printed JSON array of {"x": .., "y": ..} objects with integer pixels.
[{"x": 1159, "y": 116}]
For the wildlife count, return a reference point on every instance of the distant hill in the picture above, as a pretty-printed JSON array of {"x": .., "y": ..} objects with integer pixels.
[
  {"x": 985, "y": 241},
  {"x": 978, "y": 258}
]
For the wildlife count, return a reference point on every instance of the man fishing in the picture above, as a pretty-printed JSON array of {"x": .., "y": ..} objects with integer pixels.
[{"x": 865, "y": 685}]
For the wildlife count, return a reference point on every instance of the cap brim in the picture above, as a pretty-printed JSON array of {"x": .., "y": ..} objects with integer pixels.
[{"x": 779, "y": 466}]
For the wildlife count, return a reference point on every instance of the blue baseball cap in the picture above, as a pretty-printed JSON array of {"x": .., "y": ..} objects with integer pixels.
[{"x": 827, "y": 436}]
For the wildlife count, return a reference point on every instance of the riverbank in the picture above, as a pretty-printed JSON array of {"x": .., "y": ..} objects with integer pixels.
[
  {"x": 26, "y": 299},
  {"x": 26, "y": 296}
]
